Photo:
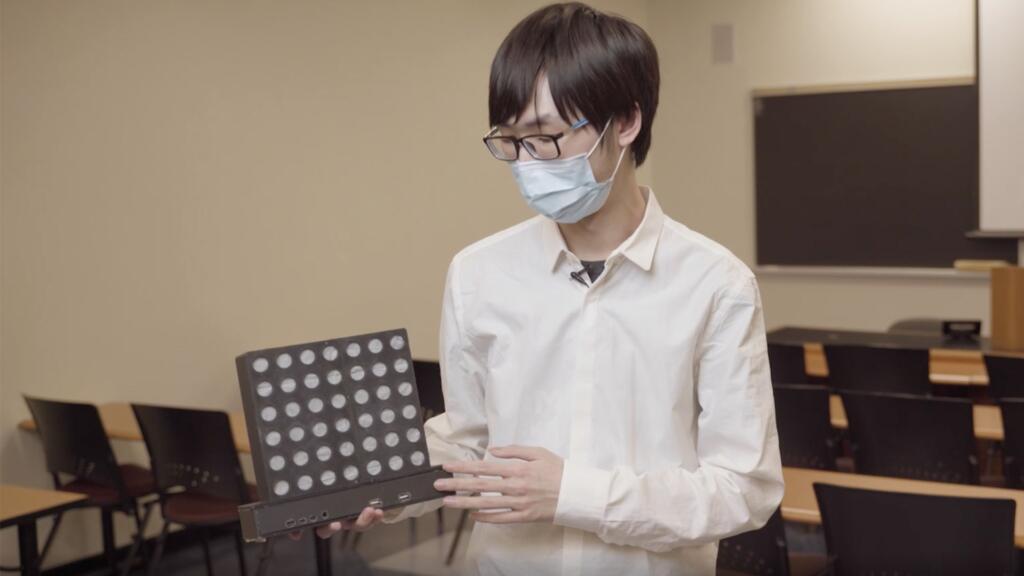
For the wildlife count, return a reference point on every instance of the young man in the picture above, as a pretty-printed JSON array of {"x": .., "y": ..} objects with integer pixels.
[{"x": 609, "y": 405}]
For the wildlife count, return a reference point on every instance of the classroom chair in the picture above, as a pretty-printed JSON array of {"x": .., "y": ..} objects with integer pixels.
[
  {"x": 1013, "y": 441},
  {"x": 876, "y": 532},
  {"x": 198, "y": 475},
  {"x": 806, "y": 436},
  {"x": 878, "y": 369},
  {"x": 764, "y": 552},
  {"x": 787, "y": 363},
  {"x": 912, "y": 436},
  {"x": 80, "y": 459},
  {"x": 1005, "y": 376}
]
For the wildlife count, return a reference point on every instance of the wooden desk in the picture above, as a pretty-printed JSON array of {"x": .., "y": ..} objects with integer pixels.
[
  {"x": 800, "y": 505},
  {"x": 120, "y": 424},
  {"x": 951, "y": 363},
  {"x": 988, "y": 420},
  {"x": 21, "y": 507}
]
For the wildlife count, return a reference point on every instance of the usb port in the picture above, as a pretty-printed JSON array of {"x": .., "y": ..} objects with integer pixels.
[
  {"x": 404, "y": 497},
  {"x": 376, "y": 503}
]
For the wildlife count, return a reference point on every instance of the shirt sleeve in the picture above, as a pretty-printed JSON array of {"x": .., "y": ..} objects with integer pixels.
[
  {"x": 738, "y": 482},
  {"x": 460, "y": 433}
]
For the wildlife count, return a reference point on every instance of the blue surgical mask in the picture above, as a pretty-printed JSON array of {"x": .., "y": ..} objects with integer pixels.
[{"x": 564, "y": 189}]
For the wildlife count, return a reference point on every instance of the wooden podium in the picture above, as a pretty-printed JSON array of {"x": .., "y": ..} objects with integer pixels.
[{"x": 1008, "y": 309}]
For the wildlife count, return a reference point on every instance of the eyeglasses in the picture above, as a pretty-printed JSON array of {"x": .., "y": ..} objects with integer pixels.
[{"x": 540, "y": 146}]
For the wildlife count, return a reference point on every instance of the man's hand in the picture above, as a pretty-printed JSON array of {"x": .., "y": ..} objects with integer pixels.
[
  {"x": 529, "y": 488},
  {"x": 367, "y": 518}
]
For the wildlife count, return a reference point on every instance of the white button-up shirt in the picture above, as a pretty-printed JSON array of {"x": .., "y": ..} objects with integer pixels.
[{"x": 652, "y": 383}]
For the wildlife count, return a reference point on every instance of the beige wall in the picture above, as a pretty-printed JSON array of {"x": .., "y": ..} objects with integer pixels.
[{"x": 184, "y": 181}]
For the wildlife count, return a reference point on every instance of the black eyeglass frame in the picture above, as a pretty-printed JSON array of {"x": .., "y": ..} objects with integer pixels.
[{"x": 519, "y": 142}]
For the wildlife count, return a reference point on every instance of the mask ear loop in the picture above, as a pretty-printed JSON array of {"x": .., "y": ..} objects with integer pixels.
[{"x": 599, "y": 138}]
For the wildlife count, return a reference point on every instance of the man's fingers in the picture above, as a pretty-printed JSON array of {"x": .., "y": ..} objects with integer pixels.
[
  {"x": 328, "y": 530},
  {"x": 478, "y": 502},
  {"x": 500, "y": 517},
  {"x": 296, "y": 535},
  {"x": 473, "y": 484},
  {"x": 479, "y": 467}
]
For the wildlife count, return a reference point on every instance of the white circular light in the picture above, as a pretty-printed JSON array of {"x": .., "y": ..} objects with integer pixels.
[
  {"x": 323, "y": 453},
  {"x": 387, "y": 416},
  {"x": 284, "y": 361},
  {"x": 311, "y": 381},
  {"x": 338, "y": 401},
  {"x": 268, "y": 414},
  {"x": 319, "y": 429},
  {"x": 273, "y": 438},
  {"x": 353, "y": 350},
  {"x": 346, "y": 448},
  {"x": 330, "y": 353},
  {"x": 307, "y": 357},
  {"x": 409, "y": 412},
  {"x": 328, "y": 478},
  {"x": 365, "y": 420},
  {"x": 383, "y": 392},
  {"x": 391, "y": 439},
  {"x": 369, "y": 443},
  {"x": 373, "y": 467},
  {"x": 342, "y": 425},
  {"x": 277, "y": 462},
  {"x": 395, "y": 462},
  {"x": 334, "y": 377},
  {"x": 281, "y": 488},
  {"x": 401, "y": 365},
  {"x": 357, "y": 373},
  {"x": 304, "y": 483},
  {"x": 296, "y": 434},
  {"x": 288, "y": 385},
  {"x": 265, "y": 389},
  {"x": 292, "y": 409},
  {"x": 351, "y": 473},
  {"x": 413, "y": 435},
  {"x": 379, "y": 369},
  {"x": 405, "y": 388},
  {"x": 315, "y": 405},
  {"x": 260, "y": 365},
  {"x": 397, "y": 342},
  {"x": 416, "y": 458},
  {"x": 362, "y": 396},
  {"x": 300, "y": 458},
  {"x": 375, "y": 346}
]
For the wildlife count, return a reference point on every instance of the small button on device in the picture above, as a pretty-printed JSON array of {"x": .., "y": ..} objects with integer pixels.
[
  {"x": 289, "y": 523},
  {"x": 404, "y": 497},
  {"x": 376, "y": 503}
]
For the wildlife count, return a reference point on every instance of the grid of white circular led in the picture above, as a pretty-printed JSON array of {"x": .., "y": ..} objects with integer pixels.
[{"x": 333, "y": 415}]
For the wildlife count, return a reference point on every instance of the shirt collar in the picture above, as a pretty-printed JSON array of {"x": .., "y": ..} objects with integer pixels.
[{"x": 639, "y": 247}]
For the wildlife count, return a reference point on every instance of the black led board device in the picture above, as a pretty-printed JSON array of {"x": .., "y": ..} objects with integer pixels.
[{"x": 335, "y": 426}]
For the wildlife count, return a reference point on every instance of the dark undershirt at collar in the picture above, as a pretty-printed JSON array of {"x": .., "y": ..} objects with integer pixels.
[{"x": 593, "y": 268}]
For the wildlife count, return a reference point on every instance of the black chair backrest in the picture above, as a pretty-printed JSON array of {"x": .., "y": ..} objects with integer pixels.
[
  {"x": 873, "y": 532},
  {"x": 75, "y": 442},
  {"x": 878, "y": 369},
  {"x": 932, "y": 326},
  {"x": 912, "y": 436},
  {"x": 192, "y": 450},
  {"x": 760, "y": 552},
  {"x": 1013, "y": 441},
  {"x": 1005, "y": 376},
  {"x": 787, "y": 362},
  {"x": 428, "y": 384},
  {"x": 806, "y": 436}
]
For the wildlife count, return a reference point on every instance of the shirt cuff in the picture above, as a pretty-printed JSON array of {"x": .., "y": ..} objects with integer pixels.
[{"x": 582, "y": 496}]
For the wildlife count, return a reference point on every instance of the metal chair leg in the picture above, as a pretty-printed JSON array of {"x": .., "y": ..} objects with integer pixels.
[
  {"x": 204, "y": 539},
  {"x": 323, "y": 554},
  {"x": 458, "y": 535},
  {"x": 109, "y": 548},
  {"x": 266, "y": 553},
  {"x": 138, "y": 541},
  {"x": 154, "y": 562},
  {"x": 240, "y": 546}
]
